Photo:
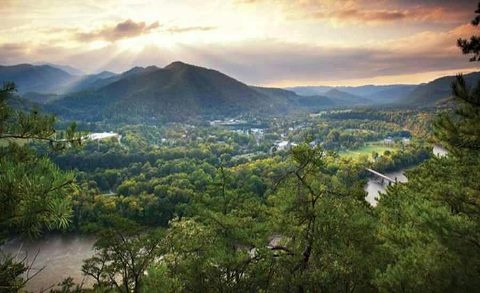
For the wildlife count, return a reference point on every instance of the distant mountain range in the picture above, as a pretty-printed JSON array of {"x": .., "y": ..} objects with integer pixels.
[
  {"x": 425, "y": 94},
  {"x": 438, "y": 90},
  {"x": 366, "y": 94},
  {"x": 181, "y": 90}
]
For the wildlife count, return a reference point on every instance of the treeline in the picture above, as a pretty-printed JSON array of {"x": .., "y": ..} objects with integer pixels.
[{"x": 403, "y": 158}]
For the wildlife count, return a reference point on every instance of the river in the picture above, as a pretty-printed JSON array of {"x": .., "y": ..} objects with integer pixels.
[
  {"x": 374, "y": 186},
  {"x": 60, "y": 256}
]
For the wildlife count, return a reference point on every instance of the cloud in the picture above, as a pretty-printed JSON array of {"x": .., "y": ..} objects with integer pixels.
[
  {"x": 373, "y": 11},
  {"x": 393, "y": 15},
  {"x": 363, "y": 15},
  {"x": 179, "y": 29},
  {"x": 122, "y": 30},
  {"x": 130, "y": 29}
]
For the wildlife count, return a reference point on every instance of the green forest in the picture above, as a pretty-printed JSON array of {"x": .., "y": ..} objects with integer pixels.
[{"x": 259, "y": 203}]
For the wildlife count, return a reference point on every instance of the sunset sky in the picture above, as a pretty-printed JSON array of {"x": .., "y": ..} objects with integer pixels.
[{"x": 260, "y": 42}]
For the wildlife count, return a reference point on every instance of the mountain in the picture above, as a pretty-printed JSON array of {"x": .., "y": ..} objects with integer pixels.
[
  {"x": 176, "y": 92},
  {"x": 371, "y": 94},
  {"x": 391, "y": 94},
  {"x": 374, "y": 92},
  {"x": 313, "y": 103},
  {"x": 36, "y": 78},
  {"x": 67, "y": 68},
  {"x": 91, "y": 81},
  {"x": 436, "y": 91},
  {"x": 310, "y": 90},
  {"x": 343, "y": 98}
]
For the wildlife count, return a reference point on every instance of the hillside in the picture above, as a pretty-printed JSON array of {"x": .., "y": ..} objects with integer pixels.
[
  {"x": 36, "y": 78},
  {"x": 368, "y": 94},
  {"x": 343, "y": 98},
  {"x": 91, "y": 81},
  {"x": 391, "y": 94},
  {"x": 182, "y": 91},
  {"x": 436, "y": 91},
  {"x": 312, "y": 103},
  {"x": 177, "y": 91}
]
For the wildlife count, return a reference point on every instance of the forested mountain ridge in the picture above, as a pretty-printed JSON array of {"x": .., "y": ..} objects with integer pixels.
[
  {"x": 181, "y": 90},
  {"x": 437, "y": 90},
  {"x": 370, "y": 94},
  {"x": 425, "y": 94},
  {"x": 178, "y": 91},
  {"x": 341, "y": 97}
]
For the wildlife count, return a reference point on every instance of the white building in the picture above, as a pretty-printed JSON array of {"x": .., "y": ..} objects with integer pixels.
[{"x": 388, "y": 141}]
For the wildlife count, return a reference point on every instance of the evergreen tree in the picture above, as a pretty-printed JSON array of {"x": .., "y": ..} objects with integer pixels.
[
  {"x": 472, "y": 46},
  {"x": 34, "y": 192}
]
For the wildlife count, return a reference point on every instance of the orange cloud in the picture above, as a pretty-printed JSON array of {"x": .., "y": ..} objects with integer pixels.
[
  {"x": 123, "y": 30},
  {"x": 373, "y": 11},
  {"x": 364, "y": 16},
  {"x": 372, "y": 16}
]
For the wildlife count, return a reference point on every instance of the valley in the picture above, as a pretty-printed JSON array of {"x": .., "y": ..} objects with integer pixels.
[
  {"x": 239, "y": 146},
  {"x": 151, "y": 169}
]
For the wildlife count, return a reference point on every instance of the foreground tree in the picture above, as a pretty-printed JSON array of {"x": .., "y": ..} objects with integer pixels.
[
  {"x": 429, "y": 228},
  {"x": 324, "y": 228},
  {"x": 472, "y": 46},
  {"x": 123, "y": 254},
  {"x": 220, "y": 247},
  {"x": 33, "y": 191}
]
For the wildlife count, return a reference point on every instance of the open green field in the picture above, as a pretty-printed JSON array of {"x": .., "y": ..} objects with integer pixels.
[{"x": 367, "y": 150}]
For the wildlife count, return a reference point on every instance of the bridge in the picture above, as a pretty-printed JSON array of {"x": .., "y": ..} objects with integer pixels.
[{"x": 381, "y": 175}]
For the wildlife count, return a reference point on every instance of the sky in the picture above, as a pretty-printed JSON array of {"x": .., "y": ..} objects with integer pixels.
[{"x": 260, "y": 42}]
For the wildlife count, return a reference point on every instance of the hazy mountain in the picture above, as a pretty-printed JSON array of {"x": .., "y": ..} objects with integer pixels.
[
  {"x": 373, "y": 94},
  {"x": 40, "y": 98},
  {"x": 91, "y": 81},
  {"x": 67, "y": 68},
  {"x": 343, "y": 98},
  {"x": 312, "y": 103},
  {"x": 310, "y": 90},
  {"x": 391, "y": 94},
  {"x": 177, "y": 91},
  {"x": 370, "y": 91},
  {"x": 36, "y": 78},
  {"x": 437, "y": 90}
]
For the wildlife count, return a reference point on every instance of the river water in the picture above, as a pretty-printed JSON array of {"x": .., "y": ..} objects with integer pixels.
[
  {"x": 60, "y": 256},
  {"x": 374, "y": 186}
]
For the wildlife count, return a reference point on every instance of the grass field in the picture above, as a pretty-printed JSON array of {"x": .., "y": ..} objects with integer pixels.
[{"x": 371, "y": 147}]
